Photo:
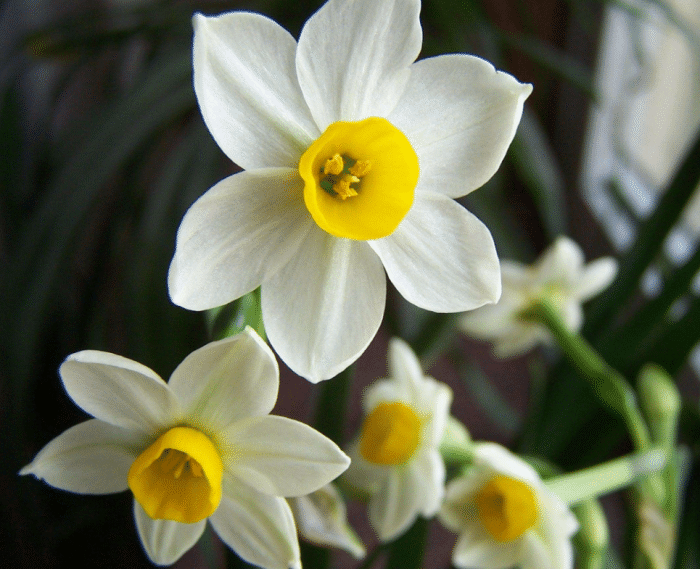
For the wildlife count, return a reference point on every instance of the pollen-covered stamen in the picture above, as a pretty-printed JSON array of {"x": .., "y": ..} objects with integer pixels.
[{"x": 342, "y": 176}]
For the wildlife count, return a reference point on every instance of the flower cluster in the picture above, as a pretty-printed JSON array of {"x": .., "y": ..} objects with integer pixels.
[{"x": 353, "y": 156}]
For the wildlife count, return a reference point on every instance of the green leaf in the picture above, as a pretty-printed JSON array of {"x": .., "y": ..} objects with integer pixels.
[{"x": 408, "y": 550}]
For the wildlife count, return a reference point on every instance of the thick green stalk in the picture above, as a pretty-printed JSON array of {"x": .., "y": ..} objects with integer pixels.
[{"x": 610, "y": 387}]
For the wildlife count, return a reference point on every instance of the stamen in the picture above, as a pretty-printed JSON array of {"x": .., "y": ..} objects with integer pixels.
[
  {"x": 342, "y": 186},
  {"x": 360, "y": 168},
  {"x": 334, "y": 165}
]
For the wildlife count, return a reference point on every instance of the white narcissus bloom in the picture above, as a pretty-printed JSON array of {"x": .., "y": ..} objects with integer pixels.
[
  {"x": 201, "y": 446},
  {"x": 560, "y": 276},
  {"x": 505, "y": 516},
  {"x": 321, "y": 518},
  {"x": 353, "y": 154},
  {"x": 396, "y": 458}
]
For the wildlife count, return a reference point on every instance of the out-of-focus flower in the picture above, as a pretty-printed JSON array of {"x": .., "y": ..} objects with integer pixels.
[
  {"x": 396, "y": 458},
  {"x": 201, "y": 446},
  {"x": 353, "y": 154},
  {"x": 559, "y": 276},
  {"x": 505, "y": 516},
  {"x": 321, "y": 518}
]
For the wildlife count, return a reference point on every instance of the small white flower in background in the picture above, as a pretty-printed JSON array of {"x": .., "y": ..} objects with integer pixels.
[
  {"x": 321, "y": 518},
  {"x": 396, "y": 458},
  {"x": 201, "y": 446},
  {"x": 353, "y": 154},
  {"x": 560, "y": 275},
  {"x": 505, "y": 516}
]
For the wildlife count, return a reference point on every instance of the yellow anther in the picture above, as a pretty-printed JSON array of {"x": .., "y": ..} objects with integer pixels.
[
  {"x": 360, "y": 168},
  {"x": 334, "y": 165},
  {"x": 507, "y": 508},
  {"x": 342, "y": 186}
]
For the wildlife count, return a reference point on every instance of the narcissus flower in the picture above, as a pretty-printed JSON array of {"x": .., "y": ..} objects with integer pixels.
[
  {"x": 505, "y": 516},
  {"x": 396, "y": 458},
  {"x": 353, "y": 154},
  {"x": 560, "y": 276},
  {"x": 201, "y": 446}
]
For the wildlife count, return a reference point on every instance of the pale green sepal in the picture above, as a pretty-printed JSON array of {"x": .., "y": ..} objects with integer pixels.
[
  {"x": 660, "y": 402},
  {"x": 593, "y": 538},
  {"x": 606, "y": 477},
  {"x": 231, "y": 319},
  {"x": 456, "y": 444}
]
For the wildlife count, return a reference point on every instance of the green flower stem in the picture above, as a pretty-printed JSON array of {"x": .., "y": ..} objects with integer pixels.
[
  {"x": 593, "y": 538},
  {"x": 607, "y": 383},
  {"x": 607, "y": 477},
  {"x": 456, "y": 444}
]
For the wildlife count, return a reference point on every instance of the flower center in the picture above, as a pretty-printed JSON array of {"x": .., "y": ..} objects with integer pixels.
[
  {"x": 359, "y": 178},
  {"x": 507, "y": 508},
  {"x": 390, "y": 434},
  {"x": 178, "y": 477}
]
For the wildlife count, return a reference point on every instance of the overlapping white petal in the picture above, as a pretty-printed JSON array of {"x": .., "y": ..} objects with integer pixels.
[
  {"x": 259, "y": 527},
  {"x": 248, "y": 92},
  {"x": 166, "y": 541},
  {"x": 118, "y": 391},
  {"x": 560, "y": 276},
  {"x": 92, "y": 457},
  {"x": 241, "y": 370},
  {"x": 441, "y": 257},
  {"x": 401, "y": 492},
  {"x": 279, "y": 456},
  {"x": 324, "y": 307},
  {"x": 266, "y": 100},
  {"x": 238, "y": 235},
  {"x": 461, "y": 141},
  {"x": 224, "y": 390},
  {"x": 546, "y": 545},
  {"x": 353, "y": 57}
]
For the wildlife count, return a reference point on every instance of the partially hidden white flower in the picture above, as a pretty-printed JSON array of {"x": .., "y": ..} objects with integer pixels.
[
  {"x": 505, "y": 516},
  {"x": 202, "y": 446},
  {"x": 396, "y": 458},
  {"x": 353, "y": 154},
  {"x": 321, "y": 518},
  {"x": 560, "y": 275}
]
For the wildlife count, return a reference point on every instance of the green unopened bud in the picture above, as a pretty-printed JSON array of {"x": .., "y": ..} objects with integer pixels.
[
  {"x": 661, "y": 403},
  {"x": 593, "y": 537},
  {"x": 456, "y": 444}
]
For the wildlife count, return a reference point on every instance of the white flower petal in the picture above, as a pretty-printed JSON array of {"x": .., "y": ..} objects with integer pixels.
[
  {"x": 118, "y": 391},
  {"x": 247, "y": 89},
  {"x": 430, "y": 467},
  {"x": 460, "y": 115},
  {"x": 433, "y": 401},
  {"x": 491, "y": 321},
  {"x": 362, "y": 474},
  {"x": 520, "y": 341},
  {"x": 404, "y": 365},
  {"x": 561, "y": 263},
  {"x": 280, "y": 456},
  {"x": 165, "y": 541},
  {"x": 92, "y": 457},
  {"x": 597, "y": 276},
  {"x": 353, "y": 57},
  {"x": 396, "y": 505},
  {"x": 227, "y": 380},
  {"x": 441, "y": 257},
  {"x": 499, "y": 459},
  {"x": 475, "y": 548},
  {"x": 236, "y": 236},
  {"x": 536, "y": 555},
  {"x": 386, "y": 390},
  {"x": 258, "y": 527},
  {"x": 324, "y": 307}
]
